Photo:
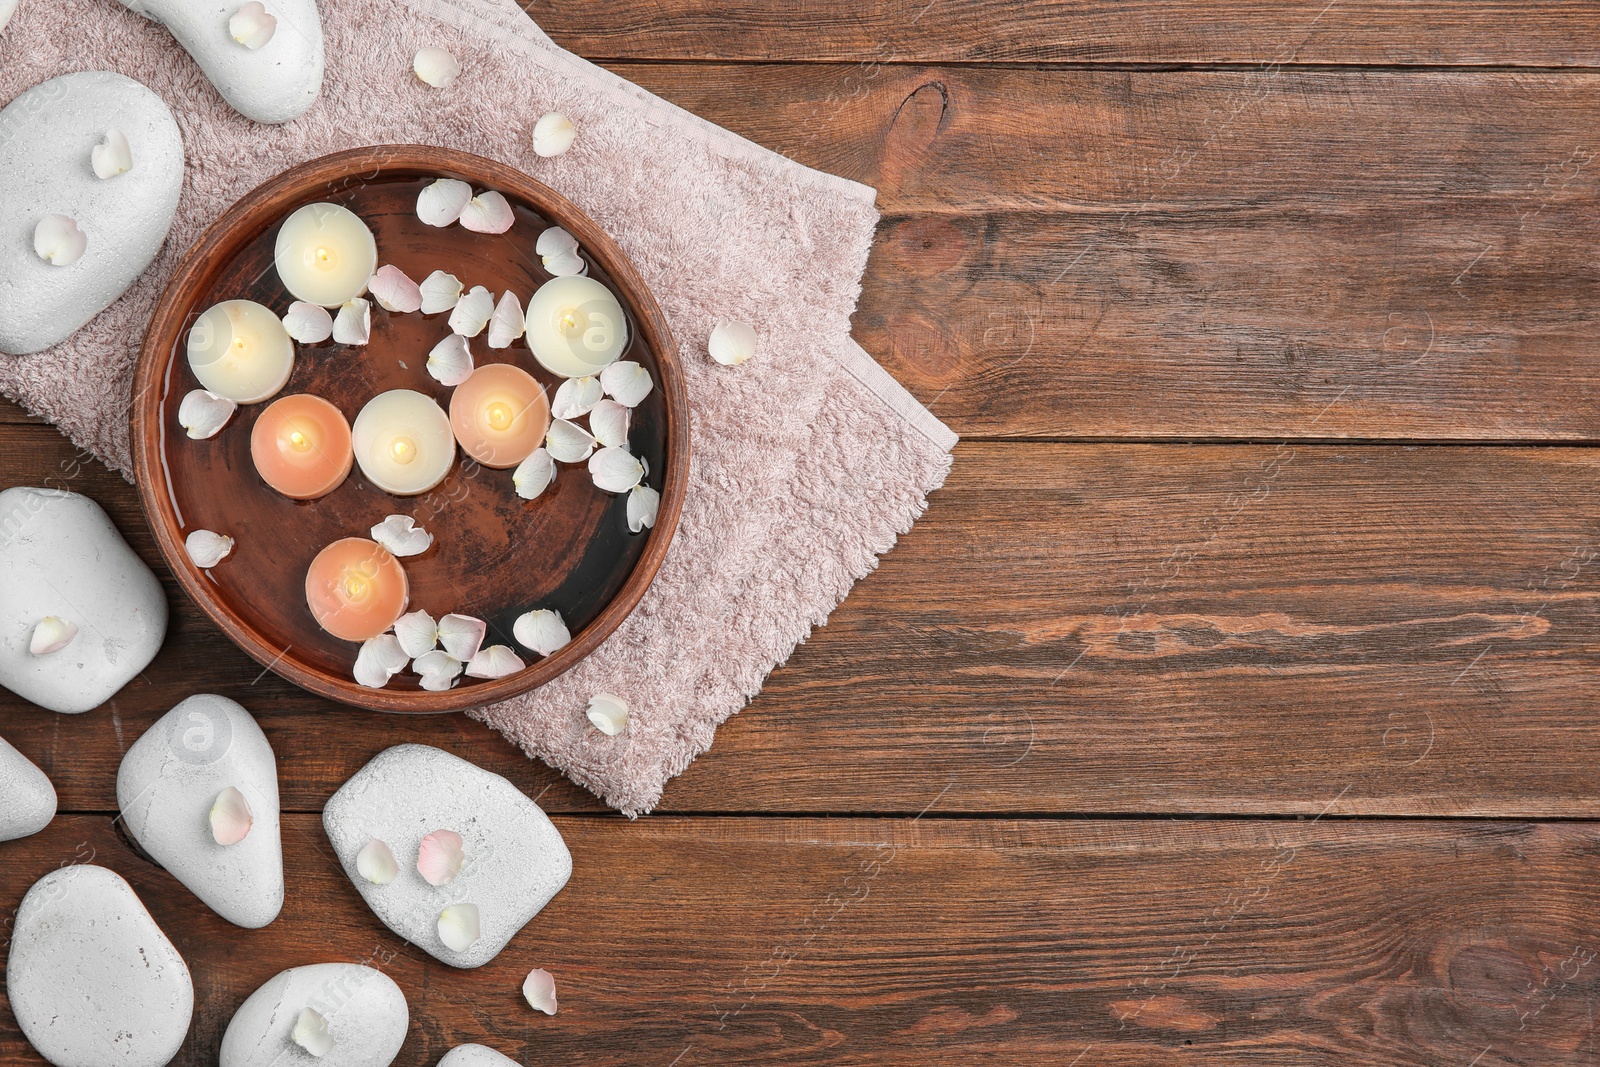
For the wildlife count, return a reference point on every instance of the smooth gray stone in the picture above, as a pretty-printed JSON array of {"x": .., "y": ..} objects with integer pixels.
[
  {"x": 27, "y": 799},
  {"x": 275, "y": 83},
  {"x": 46, "y": 137},
  {"x": 476, "y": 1056},
  {"x": 92, "y": 979},
  {"x": 166, "y": 786},
  {"x": 515, "y": 857},
  {"x": 366, "y": 1013},
  {"x": 60, "y": 555}
]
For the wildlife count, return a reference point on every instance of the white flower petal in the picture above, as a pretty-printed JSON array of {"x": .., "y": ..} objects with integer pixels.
[
  {"x": 609, "y": 422},
  {"x": 472, "y": 312},
  {"x": 309, "y": 324},
  {"x": 380, "y": 659},
  {"x": 417, "y": 632},
  {"x": 441, "y": 203},
  {"x": 394, "y": 291},
  {"x": 353, "y": 325},
  {"x": 436, "y": 66},
  {"x": 732, "y": 342},
  {"x": 203, "y": 413},
  {"x": 488, "y": 212},
  {"x": 112, "y": 156},
  {"x": 230, "y": 817},
  {"x": 7, "y": 9},
  {"x": 539, "y": 990},
  {"x": 575, "y": 397},
  {"x": 555, "y": 239},
  {"x": 543, "y": 631},
  {"x": 440, "y": 856},
  {"x": 207, "y": 549},
  {"x": 553, "y": 134},
  {"x": 450, "y": 362},
  {"x": 252, "y": 25},
  {"x": 565, "y": 264},
  {"x": 458, "y": 927},
  {"x": 311, "y": 1033},
  {"x": 608, "y": 713},
  {"x": 440, "y": 291},
  {"x": 507, "y": 323},
  {"x": 462, "y": 635},
  {"x": 58, "y": 240},
  {"x": 568, "y": 442},
  {"x": 616, "y": 470},
  {"x": 439, "y": 670},
  {"x": 51, "y": 634},
  {"x": 534, "y": 474},
  {"x": 627, "y": 383},
  {"x": 643, "y": 504},
  {"x": 496, "y": 661},
  {"x": 401, "y": 535},
  {"x": 375, "y": 862}
]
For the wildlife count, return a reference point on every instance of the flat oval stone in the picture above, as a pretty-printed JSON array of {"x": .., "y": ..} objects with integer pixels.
[
  {"x": 166, "y": 787},
  {"x": 365, "y": 1011},
  {"x": 60, "y": 556},
  {"x": 27, "y": 799},
  {"x": 92, "y": 979},
  {"x": 47, "y": 136},
  {"x": 476, "y": 1056}
]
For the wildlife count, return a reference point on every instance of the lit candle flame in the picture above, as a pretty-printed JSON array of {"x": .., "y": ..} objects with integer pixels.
[
  {"x": 403, "y": 450},
  {"x": 299, "y": 441},
  {"x": 500, "y": 416}
]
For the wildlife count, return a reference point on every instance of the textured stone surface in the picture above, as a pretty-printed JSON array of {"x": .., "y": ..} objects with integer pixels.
[
  {"x": 515, "y": 857},
  {"x": 166, "y": 786},
  {"x": 366, "y": 1014},
  {"x": 60, "y": 555},
  {"x": 476, "y": 1056},
  {"x": 46, "y": 137},
  {"x": 27, "y": 799},
  {"x": 93, "y": 981}
]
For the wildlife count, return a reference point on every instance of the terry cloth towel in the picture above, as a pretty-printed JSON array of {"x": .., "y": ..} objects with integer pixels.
[{"x": 807, "y": 461}]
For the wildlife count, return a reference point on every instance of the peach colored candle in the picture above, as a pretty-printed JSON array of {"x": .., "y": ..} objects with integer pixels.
[
  {"x": 499, "y": 415},
  {"x": 301, "y": 446},
  {"x": 356, "y": 589}
]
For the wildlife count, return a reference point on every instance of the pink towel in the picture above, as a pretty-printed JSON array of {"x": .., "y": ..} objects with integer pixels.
[{"x": 808, "y": 461}]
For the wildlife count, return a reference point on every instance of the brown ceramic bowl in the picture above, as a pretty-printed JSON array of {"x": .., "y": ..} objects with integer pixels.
[{"x": 494, "y": 554}]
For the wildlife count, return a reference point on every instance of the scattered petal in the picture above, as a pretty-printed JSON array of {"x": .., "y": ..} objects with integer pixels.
[
  {"x": 440, "y": 292},
  {"x": 732, "y": 342},
  {"x": 441, "y": 203},
  {"x": 310, "y": 324},
  {"x": 207, "y": 549},
  {"x": 496, "y": 661},
  {"x": 539, "y": 990},
  {"x": 575, "y": 397},
  {"x": 401, "y": 535},
  {"x": 7, "y": 9},
  {"x": 608, "y": 713},
  {"x": 440, "y": 856},
  {"x": 203, "y": 413},
  {"x": 252, "y": 25},
  {"x": 439, "y": 670},
  {"x": 543, "y": 631},
  {"x": 616, "y": 470},
  {"x": 462, "y": 635},
  {"x": 565, "y": 264},
  {"x": 458, "y": 927},
  {"x": 507, "y": 323},
  {"x": 450, "y": 362},
  {"x": 553, "y": 134},
  {"x": 436, "y": 67},
  {"x": 311, "y": 1033},
  {"x": 394, "y": 291},
  {"x": 380, "y": 659},
  {"x": 627, "y": 383},
  {"x": 609, "y": 422},
  {"x": 534, "y": 474},
  {"x": 472, "y": 312},
  {"x": 418, "y": 633},
  {"x": 643, "y": 504},
  {"x": 487, "y": 213},
  {"x": 353, "y": 326},
  {"x": 555, "y": 240},
  {"x": 58, "y": 240},
  {"x": 51, "y": 634},
  {"x": 112, "y": 156},
  {"x": 230, "y": 817},
  {"x": 375, "y": 862},
  {"x": 568, "y": 442}
]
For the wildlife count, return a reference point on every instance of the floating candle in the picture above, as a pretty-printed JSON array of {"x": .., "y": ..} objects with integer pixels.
[
  {"x": 325, "y": 255},
  {"x": 301, "y": 446},
  {"x": 500, "y": 415},
  {"x": 403, "y": 442},
  {"x": 239, "y": 350},
  {"x": 356, "y": 589},
  {"x": 575, "y": 326}
]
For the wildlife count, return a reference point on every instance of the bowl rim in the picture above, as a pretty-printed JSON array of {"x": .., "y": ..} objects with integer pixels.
[{"x": 251, "y": 216}]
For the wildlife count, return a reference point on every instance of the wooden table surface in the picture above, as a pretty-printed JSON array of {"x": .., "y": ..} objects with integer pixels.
[{"x": 1234, "y": 702}]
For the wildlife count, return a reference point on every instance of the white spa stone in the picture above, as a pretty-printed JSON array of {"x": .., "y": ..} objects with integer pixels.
[
  {"x": 366, "y": 1014},
  {"x": 92, "y": 979},
  {"x": 476, "y": 1056},
  {"x": 27, "y": 799},
  {"x": 60, "y": 555},
  {"x": 275, "y": 83},
  {"x": 168, "y": 782},
  {"x": 47, "y": 139},
  {"x": 515, "y": 857}
]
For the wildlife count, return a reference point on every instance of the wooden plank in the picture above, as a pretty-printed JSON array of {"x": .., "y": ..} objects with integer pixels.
[
  {"x": 1401, "y": 32},
  {"x": 1141, "y": 629},
  {"x": 720, "y": 941}
]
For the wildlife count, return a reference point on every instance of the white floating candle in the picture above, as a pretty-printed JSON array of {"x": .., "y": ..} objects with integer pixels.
[
  {"x": 403, "y": 442},
  {"x": 575, "y": 326},
  {"x": 325, "y": 255},
  {"x": 239, "y": 350}
]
